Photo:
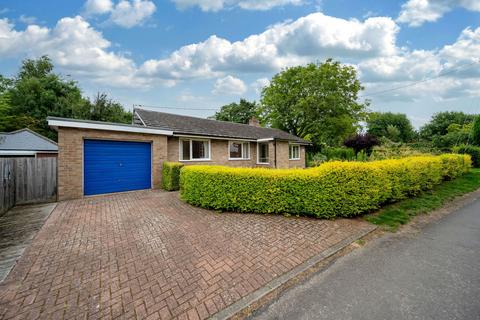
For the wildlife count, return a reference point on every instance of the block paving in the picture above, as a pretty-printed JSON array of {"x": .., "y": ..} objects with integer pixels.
[{"x": 148, "y": 255}]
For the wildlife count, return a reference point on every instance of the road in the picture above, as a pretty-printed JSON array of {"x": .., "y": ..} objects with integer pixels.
[{"x": 432, "y": 274}]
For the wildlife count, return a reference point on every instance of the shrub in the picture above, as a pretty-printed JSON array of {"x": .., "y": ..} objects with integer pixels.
[
  {"x": 473, "y": 151},
  {"x": 334, "y": 189},
  {"x": 171, "y": 175},
  {"x": 361, "y": 141},
  {"x": 476, "y": 131},
  {"x": 340, "y": 154}
]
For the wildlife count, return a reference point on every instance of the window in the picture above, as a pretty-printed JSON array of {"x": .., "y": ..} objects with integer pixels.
[
  {"x": 294, "y": 152},
  {"x": 192, "y": 149},
  {"x": 239, "y": 150},
  {"x": 262, "y": 152}
]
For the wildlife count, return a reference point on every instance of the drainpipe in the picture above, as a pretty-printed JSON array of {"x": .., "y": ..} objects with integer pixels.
[{"x": 275, "y": 146}]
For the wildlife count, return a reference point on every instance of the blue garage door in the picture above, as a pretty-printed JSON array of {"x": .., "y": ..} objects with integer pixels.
[{"x": 114, "y": 166}]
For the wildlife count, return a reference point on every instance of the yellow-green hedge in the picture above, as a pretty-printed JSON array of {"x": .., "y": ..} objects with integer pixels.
[
  {"x": 171, "y": 175},
  {"x": 334, "y": 189}
]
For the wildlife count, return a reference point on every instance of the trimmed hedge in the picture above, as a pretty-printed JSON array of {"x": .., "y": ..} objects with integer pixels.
[
  {"x": 473, "y": 151},
  {"x": 334, "y": 189},
  {"x": 171, "y": 175}
]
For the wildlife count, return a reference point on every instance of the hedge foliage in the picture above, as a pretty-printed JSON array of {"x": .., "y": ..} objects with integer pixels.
[
  {"x": 171, "y": 175},
  {"x": 334, "y": 189},
  {"x": 473, "y": 151}
]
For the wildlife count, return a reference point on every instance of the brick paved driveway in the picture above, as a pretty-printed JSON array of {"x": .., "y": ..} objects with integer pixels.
[{"x": 148, "y": 255}]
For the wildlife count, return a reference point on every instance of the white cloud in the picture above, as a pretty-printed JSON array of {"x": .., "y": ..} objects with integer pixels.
[
  {"x": 417, "y": 12},
  {"x": 74, "y": 46},
  {"x": 229, "y": 86},
  {"x": 259, "y": 84},
  {"x": 307, "y": 39},
  {"x": 216, "y": 5},
  {"x": 126, "y": 13},
  {"x": 98, "y": 6},
  {"x": 27, "y": 20},
  {"x": 129, "y": 14}
]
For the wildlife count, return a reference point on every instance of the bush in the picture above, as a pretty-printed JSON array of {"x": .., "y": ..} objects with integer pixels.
[
  {"x": 171, "y": 176},
  {"x": 473, "y": 151},
  {"x": 334, "y": 189},
  {"x": 361, "y": 142}
]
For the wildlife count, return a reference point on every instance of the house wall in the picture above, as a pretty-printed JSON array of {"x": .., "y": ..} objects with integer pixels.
[
  {"x": 70, "y": 156},
  {"x": 220, "y": 155}
]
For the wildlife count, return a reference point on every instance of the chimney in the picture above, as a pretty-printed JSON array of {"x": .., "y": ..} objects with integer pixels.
[{"x": 254, "y": 122}]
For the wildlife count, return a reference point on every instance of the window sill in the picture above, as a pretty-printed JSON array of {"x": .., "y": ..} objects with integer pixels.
[
  {"x": 196, "y": 160},
  {"x": 263, "y": 163},
  {"x": 296, "y": 159}
]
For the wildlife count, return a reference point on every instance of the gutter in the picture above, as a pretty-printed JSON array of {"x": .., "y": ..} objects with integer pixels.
[{"x": 106, "y": 126}]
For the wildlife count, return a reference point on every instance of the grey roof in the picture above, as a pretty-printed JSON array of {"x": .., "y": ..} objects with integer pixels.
[
  {"x": 187, "y": 125},
  {"x": 26, "y": 140}
]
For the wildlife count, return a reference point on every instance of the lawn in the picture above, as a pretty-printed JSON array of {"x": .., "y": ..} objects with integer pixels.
[{"x": 394, "y": 215}]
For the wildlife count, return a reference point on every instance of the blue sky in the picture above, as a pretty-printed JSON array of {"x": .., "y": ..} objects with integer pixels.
[{"x": 201, "y": 54}]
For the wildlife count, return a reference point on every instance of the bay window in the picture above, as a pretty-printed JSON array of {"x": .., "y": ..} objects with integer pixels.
[{"x": 194, "y": 150}]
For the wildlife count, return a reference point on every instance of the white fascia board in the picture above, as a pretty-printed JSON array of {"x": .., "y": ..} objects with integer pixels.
[
  {"x": 211, "y": 138},
  {"x": 18, "y": 153},
  {"x": 265, "y": 139},
  {"x": 107, "y": 127}
]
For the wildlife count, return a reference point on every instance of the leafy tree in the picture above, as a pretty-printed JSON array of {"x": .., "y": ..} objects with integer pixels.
[
  {"x": 37, "y": 92},
  {"x": 438, "y": 125},
  {"x": 476, "y": 131},
  {"x": 394, "y": 126},
  {"x": 104, "y": 109},
  {"x": 362, "y": 141},
  {"x": 240, "y": 112},
  {"x": 317, "y": 102}
]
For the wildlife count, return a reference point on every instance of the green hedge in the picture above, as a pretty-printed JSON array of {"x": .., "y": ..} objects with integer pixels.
[
  {"x": 473, "y": 151},
  {"x": 334, "y": 189},
  {"x": 171, "y": 175}
]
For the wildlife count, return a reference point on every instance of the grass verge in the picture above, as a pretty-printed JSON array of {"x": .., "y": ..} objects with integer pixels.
[{"x": 394, "y": 215}]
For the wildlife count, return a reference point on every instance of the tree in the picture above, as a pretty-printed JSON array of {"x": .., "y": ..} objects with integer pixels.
[
  {"x": 37, "y": 92},
  {"x": 240, "y": 112},
  {"x": 361, "y": 141},
  {"x": 104, "y": 109},
  {"x": 438, "y": 125},
  {"x": 476, "y": 131},
  {"x": 394, "y": 126},
  {"x": 317, "y": 102}
]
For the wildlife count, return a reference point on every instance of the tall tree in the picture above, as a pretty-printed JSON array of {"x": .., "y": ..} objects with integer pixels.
[
  {"x": 438, "y": 125},
  {"x": 37, "y": 92},
  {"x": 104, "y": 109},
  {"x": 240, "y": 112},
  {"x": 394, "y": 126},
  {"x": 318, "y": 102}
]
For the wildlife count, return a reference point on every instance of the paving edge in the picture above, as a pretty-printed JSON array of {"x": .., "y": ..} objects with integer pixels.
[{"x": 276, "y": 283}]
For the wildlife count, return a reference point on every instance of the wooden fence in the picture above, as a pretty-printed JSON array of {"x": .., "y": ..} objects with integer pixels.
[{"x": 27, "y": 180}]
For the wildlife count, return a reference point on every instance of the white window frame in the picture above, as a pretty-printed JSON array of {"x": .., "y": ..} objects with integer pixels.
[
  {"x": 243, "y": 143},
  {"x": 292, "y": 146},
  {"x": 180, "y": 150},
  {"x": 258, "y": 152}
]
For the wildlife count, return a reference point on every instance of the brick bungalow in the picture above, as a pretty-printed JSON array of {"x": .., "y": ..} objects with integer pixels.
[{"x": 100, "y": 157}]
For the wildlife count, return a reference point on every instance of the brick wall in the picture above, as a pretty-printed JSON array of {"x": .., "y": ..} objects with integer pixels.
[
  {"x": 220, "y": 155},
  {"x": 70, "y": 156}
]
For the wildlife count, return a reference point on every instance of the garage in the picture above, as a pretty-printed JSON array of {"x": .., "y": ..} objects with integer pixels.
[{"x": 115, "y": 166}]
